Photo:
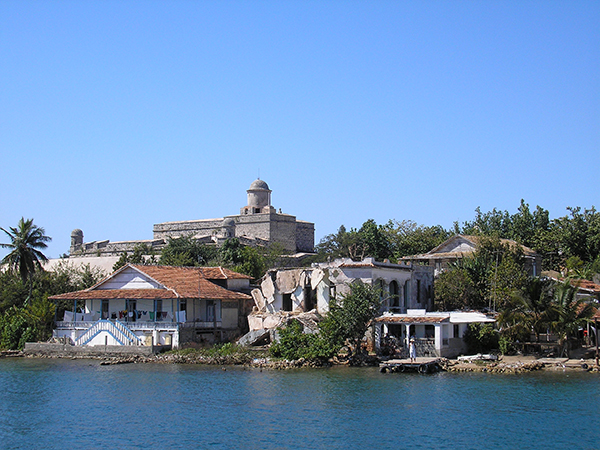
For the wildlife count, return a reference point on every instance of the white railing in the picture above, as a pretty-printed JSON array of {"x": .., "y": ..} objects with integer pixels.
[
  {"x": 127, "y": 332},
  {"x": 117, "y": 330},
  {"x": 152, "y": 325},
  {"x": 210, "y": 324},
  {"x": 141, "y": 325},
  {"x": 71, "y": 324}
]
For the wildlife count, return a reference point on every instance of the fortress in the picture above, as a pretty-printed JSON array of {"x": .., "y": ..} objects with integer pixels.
[{"x": 258, "y": 224}]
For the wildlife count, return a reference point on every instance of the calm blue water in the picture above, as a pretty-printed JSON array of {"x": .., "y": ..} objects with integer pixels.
[{"x": 80, "y": 404}]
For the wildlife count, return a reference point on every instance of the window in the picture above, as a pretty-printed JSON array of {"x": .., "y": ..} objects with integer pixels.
[
  {"x": 309, "y": 299},
  {"x": 419, "y": 291},
  {"x": 158, "y": 309},
  {"x": 210, "y": 311},
  {"x": 394, "y": 294},
  {"x": 131, "y": 311},
  {"x": 380, "y": 285},
  {"x": 287, "y": 302},
  {"x": 456, "y": 331},
  {"x": 429, "y": 331}
]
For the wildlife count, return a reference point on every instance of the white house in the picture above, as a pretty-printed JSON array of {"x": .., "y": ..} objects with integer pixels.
[
  {"x": 436, "y": 333},
  {"x": 156, "y": 305}
]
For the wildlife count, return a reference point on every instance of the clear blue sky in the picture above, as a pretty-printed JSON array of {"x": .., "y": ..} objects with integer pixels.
[{"x": 115, "y": 115}]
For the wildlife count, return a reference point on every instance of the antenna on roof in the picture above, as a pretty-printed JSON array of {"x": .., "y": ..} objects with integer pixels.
[{"x": 259, "y": 173}]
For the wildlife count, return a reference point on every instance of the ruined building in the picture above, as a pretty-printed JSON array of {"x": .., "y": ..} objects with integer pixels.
[{"x": 258, "y": 223}]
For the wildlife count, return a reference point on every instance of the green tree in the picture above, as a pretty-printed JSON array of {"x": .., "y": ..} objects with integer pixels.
[
  {"x": 454, "y": 290},
  {"x": 370, "y": 240},
  {"x": 349, "y": 318},
  {"x": 252, "y": 263},
  {"x": 231, "y": 252},
  {"x": 406, "y": 238},
  {"x": 580, "y": 233},
  {"x": 530, "y": 310},
  {"x": 576, "y": 268},
  {"x": 122, "y": 261},
  {"x": 27, "y": 241},
  {"x": 345, "y": 324},
  {"x": 571, "y": 314},
  {"x": 481, "y": 338},
  {"x": 295, "y": 344},
  {"x": 141, "y": 254},
  {"x": 489, "y": 277},
  {"x": 374, "y": 240},
  {"x": 186, "y": 251},
  {"x": 338, "y": 245}
]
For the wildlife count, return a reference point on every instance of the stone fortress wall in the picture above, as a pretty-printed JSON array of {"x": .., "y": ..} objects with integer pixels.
[{"x": 257, "y": 224}]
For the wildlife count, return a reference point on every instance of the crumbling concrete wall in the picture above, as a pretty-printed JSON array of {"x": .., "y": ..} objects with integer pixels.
[{"x": 294, "y": 290}]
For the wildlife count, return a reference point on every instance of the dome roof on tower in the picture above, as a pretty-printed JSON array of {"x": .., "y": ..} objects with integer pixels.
[
  {"x": 229, "y": 222},
  {"x": 76, "y": 232},
  {"x": 259, "y": 184}
]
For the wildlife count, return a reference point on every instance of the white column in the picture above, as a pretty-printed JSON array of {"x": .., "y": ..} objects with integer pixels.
[{"x": 438, "y": 338}]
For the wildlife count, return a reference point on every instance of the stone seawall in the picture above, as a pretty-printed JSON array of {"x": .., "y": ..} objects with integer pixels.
[{"x": 66, "y": 350}]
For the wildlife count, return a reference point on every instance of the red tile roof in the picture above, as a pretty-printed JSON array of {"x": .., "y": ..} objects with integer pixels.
[
  {"x": 586, "y": 285},
  {"x": 110, "y": 294},
  {"x": 183, "y": 282},
  {"x": 413, "y": 319}
]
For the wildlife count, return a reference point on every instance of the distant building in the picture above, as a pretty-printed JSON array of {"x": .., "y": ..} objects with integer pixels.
[
  {"x": 459, "y": 246},
  {"x": 258, "y": 224}
]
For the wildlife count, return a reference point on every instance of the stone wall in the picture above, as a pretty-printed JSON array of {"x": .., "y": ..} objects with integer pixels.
[
  {"x": 186, "y": 228},
  {"x": 305, "y": 236},
  {"x": 107, "y": 248},
  {"x": 207, "y": 336},
  {"x": 66, "y": 350}
]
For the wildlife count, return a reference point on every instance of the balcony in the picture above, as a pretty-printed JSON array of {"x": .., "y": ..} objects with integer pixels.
[{"x": 143, "y": 325}]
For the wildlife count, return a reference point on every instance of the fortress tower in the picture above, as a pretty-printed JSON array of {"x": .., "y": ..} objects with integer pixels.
[{"x": 258, "y": 224}]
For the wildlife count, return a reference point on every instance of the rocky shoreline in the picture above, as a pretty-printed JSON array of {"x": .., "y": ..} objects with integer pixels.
[{"x": 505, "y": 365}]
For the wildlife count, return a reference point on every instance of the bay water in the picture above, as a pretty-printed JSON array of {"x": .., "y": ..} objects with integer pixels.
[{"x": 80, "y": 404}]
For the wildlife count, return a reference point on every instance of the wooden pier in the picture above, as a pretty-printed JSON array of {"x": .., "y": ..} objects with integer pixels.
[{"x": 421, "y": 365}]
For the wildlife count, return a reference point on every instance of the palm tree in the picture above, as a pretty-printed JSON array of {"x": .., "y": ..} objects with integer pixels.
[
  {"x": 538, "y": 297},
  {"x": 572, "y": 314},
  {"x": 25, "y": 257}
]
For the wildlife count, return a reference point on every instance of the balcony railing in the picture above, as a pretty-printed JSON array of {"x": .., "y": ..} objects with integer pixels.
[{"x": 141, "y": 325}]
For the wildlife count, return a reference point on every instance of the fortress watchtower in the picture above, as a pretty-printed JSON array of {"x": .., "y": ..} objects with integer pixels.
[
  {"x": 76, "y": 240},
  {"x": 259, "y": 199}
]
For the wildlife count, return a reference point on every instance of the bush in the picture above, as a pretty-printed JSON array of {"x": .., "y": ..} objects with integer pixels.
[
  {"x": 294, "y": 344},
  {"x": 481, "y": 338}
]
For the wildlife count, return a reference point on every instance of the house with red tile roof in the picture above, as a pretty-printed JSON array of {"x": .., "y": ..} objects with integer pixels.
[{"x": 156, "y": 306}]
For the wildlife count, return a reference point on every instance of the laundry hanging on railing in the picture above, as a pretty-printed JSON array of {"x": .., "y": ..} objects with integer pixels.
[{"x": 80, "y": 317}]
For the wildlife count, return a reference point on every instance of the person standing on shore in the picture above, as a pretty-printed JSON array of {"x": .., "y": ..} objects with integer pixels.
[{"x": 412, "y": 351}]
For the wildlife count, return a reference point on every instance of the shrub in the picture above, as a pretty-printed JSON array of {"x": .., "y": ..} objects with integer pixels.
[
  {"x": 294, "y": 344},
  {"x": 481, "y": 338}
]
